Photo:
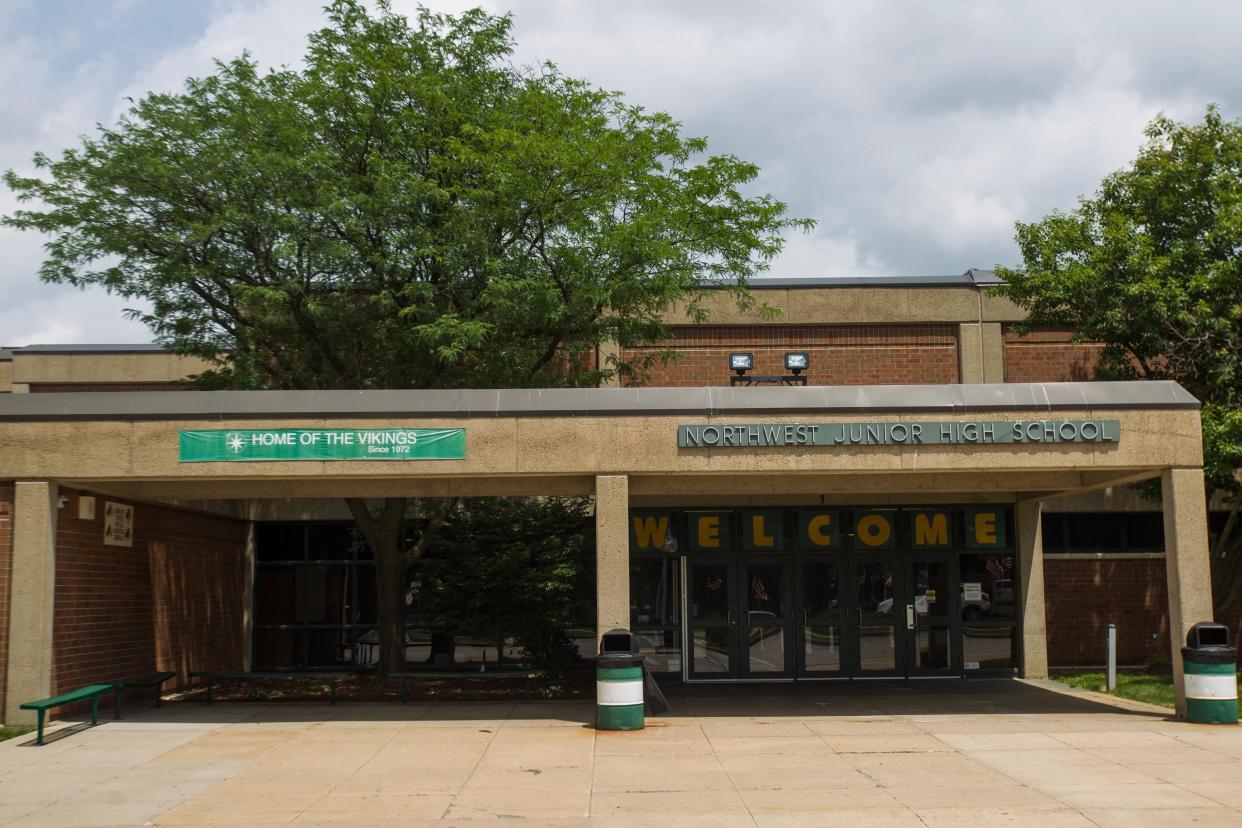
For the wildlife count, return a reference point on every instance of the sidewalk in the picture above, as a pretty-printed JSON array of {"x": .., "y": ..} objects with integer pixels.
[{"x": 895, "y": 754}]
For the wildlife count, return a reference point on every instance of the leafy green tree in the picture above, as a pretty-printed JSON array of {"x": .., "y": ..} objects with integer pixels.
[
  {"x": 1151, "y": 267},
  {"x": 407, "y": 210},
  {"x": 520, "y": 567}
]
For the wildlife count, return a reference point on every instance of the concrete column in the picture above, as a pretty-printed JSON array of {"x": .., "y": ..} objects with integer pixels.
[
  {"x": 612, "y": 552},
  {"x": 992, "y": 348},
  {"x": 608, "y": 353},
  {"x": 32, "y": 584},
  {"x": 1187, "y": 562},
  {"x": 969, "y": 353},
  {"x": 1031, "y": 589}
]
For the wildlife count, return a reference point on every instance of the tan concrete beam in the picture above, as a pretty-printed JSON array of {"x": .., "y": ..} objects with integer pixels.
[
  {"x": 1031, "y": 588},
  {"x": 612, "y": 553},
  {"x": 155, "y": 367},
  {"x": 860, "y": 306},
  {"x": 32, "y": 594},
  {"x": 585, "y": 446},
  {"x": 1187, "y": 562}
]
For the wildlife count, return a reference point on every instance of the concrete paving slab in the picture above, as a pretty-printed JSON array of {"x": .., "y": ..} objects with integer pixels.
[{"x": 736, "y": 756}]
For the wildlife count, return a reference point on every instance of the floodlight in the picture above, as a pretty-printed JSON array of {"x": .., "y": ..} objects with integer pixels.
[
  {"x": 796, "y": 361},
  {"x": 741, "y": 363}
]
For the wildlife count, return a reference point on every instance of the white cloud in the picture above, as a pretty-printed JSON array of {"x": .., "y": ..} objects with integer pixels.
[{"x": 915, "y": 133}]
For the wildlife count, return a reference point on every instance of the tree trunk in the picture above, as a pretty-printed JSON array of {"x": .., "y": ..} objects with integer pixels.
[
  {"x": 383, "y": 533},
  {"x": 443, "y": 647}
]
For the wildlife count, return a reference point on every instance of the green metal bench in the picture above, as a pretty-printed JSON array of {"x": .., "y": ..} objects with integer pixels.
[
  {"x": 155, "y": 680},
  {"x": 90, "y": 691},
  {"x": 522, "y": 673},
  {"x": 214, "y": 676}
]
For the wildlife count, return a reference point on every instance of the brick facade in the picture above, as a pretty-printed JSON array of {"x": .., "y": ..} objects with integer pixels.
[
  {"x": 1084, "y": 595},
  {"x": 6, "y": 569},
  {"x": 1048, "y": 356},
  {"x": 839, "y": 354},
  {"x": 174, "y": 601}
]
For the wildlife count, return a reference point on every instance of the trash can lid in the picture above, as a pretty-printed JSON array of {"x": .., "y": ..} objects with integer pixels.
[
  {"x": 1210, "y": 655},
  {"x": 618, "y": 660}
]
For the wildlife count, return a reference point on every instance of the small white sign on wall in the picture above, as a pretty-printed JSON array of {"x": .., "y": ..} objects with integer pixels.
[{"x": 118, "y": 524}]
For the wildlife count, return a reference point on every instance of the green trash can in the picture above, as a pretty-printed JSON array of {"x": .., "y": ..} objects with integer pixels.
[
  {"x": 1210, "y": 675},
  {"x": 618, "y": 691}
]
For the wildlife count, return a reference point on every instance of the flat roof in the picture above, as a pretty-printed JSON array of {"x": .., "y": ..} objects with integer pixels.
[
  {"x": 594, "y": 402},
  {"x": 101, "y": 348},
  {"x": 974, "y": 277}
]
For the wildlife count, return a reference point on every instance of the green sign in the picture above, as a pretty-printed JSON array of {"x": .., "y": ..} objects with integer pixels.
[
  {"x": 242, "y": 445},
  {"x": 899, "y": 433}
]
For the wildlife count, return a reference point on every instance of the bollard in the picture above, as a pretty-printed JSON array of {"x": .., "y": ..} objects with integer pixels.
[{"x": 1111, "y": 677}]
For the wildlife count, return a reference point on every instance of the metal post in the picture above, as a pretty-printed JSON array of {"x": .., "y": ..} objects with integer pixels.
[{"x": 1112, "y": 657}]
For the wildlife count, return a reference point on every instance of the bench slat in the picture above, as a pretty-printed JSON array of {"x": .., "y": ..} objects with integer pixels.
[
  {"x": 81, "y": 694},
  {"x": 149, "y": 680}
]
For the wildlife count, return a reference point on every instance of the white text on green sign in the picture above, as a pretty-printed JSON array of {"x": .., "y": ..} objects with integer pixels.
[{"x": 242, "y": 445}]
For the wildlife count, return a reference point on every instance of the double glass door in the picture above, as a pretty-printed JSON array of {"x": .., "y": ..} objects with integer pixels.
[
  {"x": 824, "y": 616},
  {"x": 738, "y": 614}
]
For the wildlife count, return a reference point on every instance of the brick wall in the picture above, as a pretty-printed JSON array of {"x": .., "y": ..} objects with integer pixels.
[
  {"x": 1048, "y": 356},
  {"x": 1084, "y": 595},
  {"x": 6, "y": 568},
  {"x": 839, "y": 354},
  {"x": 174, "y": 601}
]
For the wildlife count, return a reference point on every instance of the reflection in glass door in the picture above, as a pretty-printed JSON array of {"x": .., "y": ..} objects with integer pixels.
[
  {"x": 765, "y": 600},
  {"x": 711, "y": 618},
  {"x": 930, "y": 615},
  {"x": 820, "y": 618},
  {"x": 873, "y": 618}
]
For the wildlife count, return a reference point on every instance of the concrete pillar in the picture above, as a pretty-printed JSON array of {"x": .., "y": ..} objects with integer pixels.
[
  {"x": 1187, "y": 562},
  {"x": 969, "y": 353},
  {"x": 607, "y": 353},
  {"x": 31, "y": 597},
  {"x": 1031, "y": 589},
  {"x": 992, "y": 348},
  {"x": 612, "y": 552}
]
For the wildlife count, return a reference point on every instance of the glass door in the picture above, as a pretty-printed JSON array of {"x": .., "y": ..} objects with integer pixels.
[
  {"x": 820, "y": 618},
  {"x": 931, "y": 615},
  {"x": 875, "y": 619},
  {"x": 711, "y": 618},
  {"x": 764, "y": 643}
]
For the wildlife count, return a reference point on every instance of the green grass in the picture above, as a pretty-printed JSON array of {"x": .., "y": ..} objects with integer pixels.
[
  {"x": 13, "y": 732},
  {"x": 1153, "y": 688}
]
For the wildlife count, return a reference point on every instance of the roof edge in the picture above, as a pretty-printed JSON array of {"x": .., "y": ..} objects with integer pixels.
[{"x": 594, "y": 402}]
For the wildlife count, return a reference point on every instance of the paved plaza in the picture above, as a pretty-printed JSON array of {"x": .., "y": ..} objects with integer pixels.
[{"x": 891, "y": 754}]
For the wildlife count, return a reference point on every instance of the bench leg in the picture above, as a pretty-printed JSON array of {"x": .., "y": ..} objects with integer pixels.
[
  {"x": 39, "y": 734},
  {"x": 159, "y": 692},
  {"x": 94, "y": 710}
]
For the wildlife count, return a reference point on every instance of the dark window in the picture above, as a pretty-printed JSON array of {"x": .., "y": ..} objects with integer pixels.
[
  {"x": 1103, "y": 532},
  {"x": 314, "y": 596}
]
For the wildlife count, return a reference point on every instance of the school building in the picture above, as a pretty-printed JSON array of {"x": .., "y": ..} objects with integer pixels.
[{"x": 944, "y": 497}]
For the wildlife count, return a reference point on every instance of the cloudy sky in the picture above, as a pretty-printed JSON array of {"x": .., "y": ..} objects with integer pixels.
[{"x": 915, "y": 132}]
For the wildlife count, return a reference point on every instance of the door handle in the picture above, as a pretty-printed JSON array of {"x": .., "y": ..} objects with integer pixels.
[
  {"x": 803, "y": 617},
  {"x": 732, "y": 618},
  {"x": 909, "y": 616}
]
